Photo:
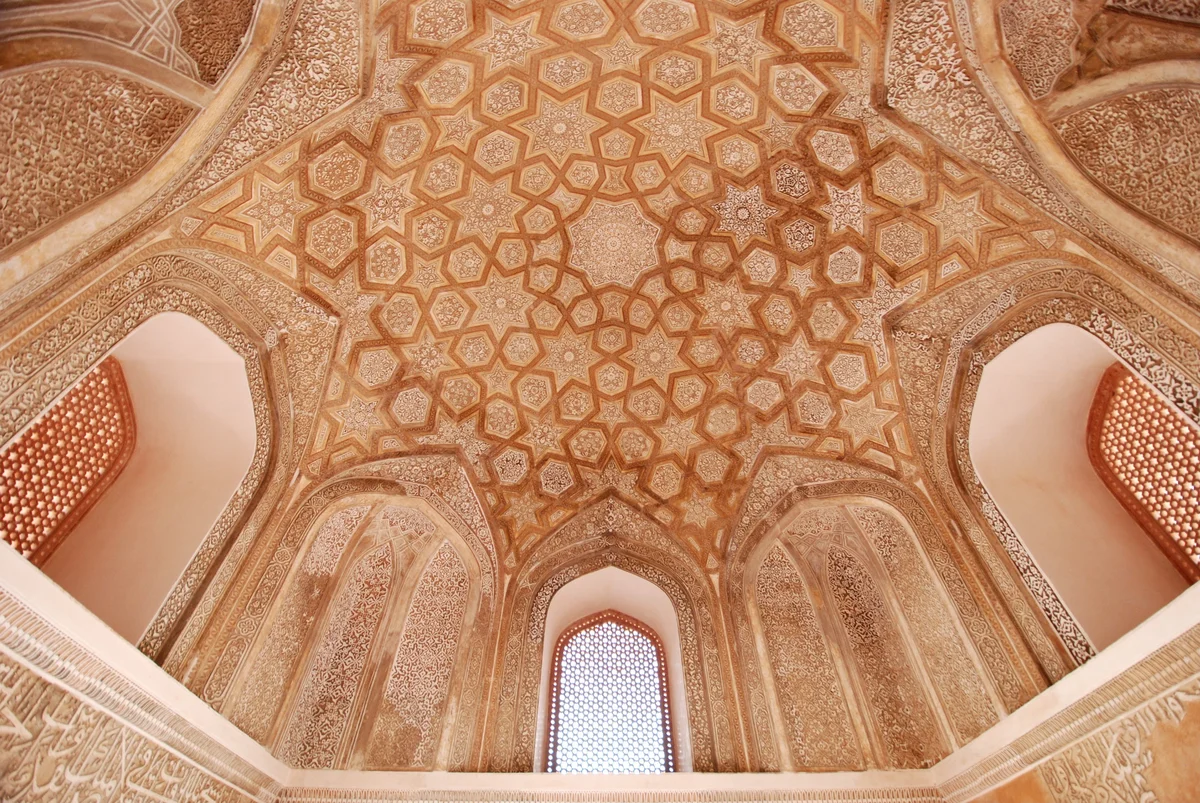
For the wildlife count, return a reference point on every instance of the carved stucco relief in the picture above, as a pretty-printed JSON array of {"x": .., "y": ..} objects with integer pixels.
[{"x": 975, "y": 322}]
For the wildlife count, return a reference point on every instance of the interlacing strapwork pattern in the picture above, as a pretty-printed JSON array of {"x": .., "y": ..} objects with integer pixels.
[
  {"x": 608, "y": 700},
  {"x": 1149, "y": 456},
  {"x": 55, "y": 471}
]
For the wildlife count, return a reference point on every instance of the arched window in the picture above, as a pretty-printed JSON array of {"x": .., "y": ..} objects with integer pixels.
[
  {"x": 55, "y": 471},
  {"x": 1148, "y": 455},
  {"x": 609, "y": 709}
]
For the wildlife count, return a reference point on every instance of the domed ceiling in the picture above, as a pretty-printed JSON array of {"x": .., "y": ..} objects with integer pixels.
[{"x": 631, "y": 247}]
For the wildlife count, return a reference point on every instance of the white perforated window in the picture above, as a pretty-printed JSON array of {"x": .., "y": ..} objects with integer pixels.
[{"x": 608, "y": 699}]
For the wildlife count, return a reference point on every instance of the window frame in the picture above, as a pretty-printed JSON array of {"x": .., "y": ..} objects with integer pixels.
[
  {"x": 1101, "y": 408},
  {"x": 587, "y": 623}
]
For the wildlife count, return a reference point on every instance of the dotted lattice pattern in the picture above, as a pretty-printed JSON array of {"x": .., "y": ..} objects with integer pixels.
[
  {"x": 608, "y": 702},
  {"x": 53, "y": 473},
  {"x": 1149, "y": 455}
]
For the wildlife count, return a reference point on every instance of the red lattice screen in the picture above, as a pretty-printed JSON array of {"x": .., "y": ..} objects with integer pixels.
[
  {"x": 1149, "y": 456},
  {"x": 53, "y": 473}
]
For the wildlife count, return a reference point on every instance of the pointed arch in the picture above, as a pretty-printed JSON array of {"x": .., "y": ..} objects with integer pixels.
[
  {"x": 414, "y": 506},
  {"x": 610, "y": 533},
  {"x": 999, "y": 673},
  {"x": 261, "y": 320},
  {"x": 977, "y": 319}
]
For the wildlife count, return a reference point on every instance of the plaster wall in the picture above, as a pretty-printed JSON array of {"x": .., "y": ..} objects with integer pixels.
[
  {"x": 1028, "y": 442},
  {"x": 195, "y": 440}
]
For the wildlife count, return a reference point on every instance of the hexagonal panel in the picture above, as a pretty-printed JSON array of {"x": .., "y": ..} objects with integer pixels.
[
  {"x": 814, "y": 409},
  {"x": 501, "y": 419},
  {"x": 849, "y": 371},
  {"x": 411, "y": 407},
  {"x": 386, "y": 261},
  {"x": 665, "y": 19},
  {"x": 619, "y": 97},
  {"x": 712, "y": 466},
  {"x": 588, "y": 444},
  {"x": 634, "y": 444},
  {"x": 448, "y": 311},
  {"x": 444, "y": 175},
  {"x": 764, "y": 394},
  {"x": 447, "y": 84},
  {"x": 797, "y": 89},
  {"x": 504, "y": 98},
  {"x": 337, "y": 172},
  {"x": 721, "y": 420},
  {"x": 689, "y": 391},
  {"x": 826, "y": 320},
  {"x": 565, "y": 72},
  {"x": 377, "y": 367},
  {"x": 460, "y": 392},
  {"x": 331, "y": 238},
  {"x": 440, "y": 21},
  {"x": 899, "y": 181},
  {"x": 511, "y": 465},
  {"x": 401, "y": 314},
  {"x": 761, "y": 266},
  {"x": 556, "y": 477},
  {"x": 534, "y": 391},
  {"x": 845, "y": 266},
  {"x": 811, "y": 25},
  {"x": 738, "y": 155},
  {"x": 833, "y": 149},
  {"x": 585, "y": 20},
  {"x": 677, "y": 71},
  {"x": 404, "y": 142},
  {"x": 734, "y": 101},
  {"x": 666, "y": 480},
  {"x": 902, "y": 243},
  {"x": 497, "y": 150}
]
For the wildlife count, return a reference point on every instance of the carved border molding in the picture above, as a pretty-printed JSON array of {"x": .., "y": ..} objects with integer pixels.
[{"x": 34, "y": 641}]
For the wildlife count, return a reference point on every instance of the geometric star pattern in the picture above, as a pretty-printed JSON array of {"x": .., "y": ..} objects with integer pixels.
[{"x": 598, "y": 252}]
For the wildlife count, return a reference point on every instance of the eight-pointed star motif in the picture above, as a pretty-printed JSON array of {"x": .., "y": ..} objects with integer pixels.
[
  {"x": 743, "y": 213},
  {"x": 676, "y": 130}
]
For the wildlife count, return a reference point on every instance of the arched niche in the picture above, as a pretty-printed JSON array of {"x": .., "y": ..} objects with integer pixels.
[
  {"x": 611, "y": 588},
  {"x": 942, "y": 348},
  {"x": 253, "y": 667},
  {"x": 365, "y": 656},
  {"x": 1003, "y": 674},
  {"x": 1028, "y": 443},
  {"x": 195, "y": 439},
  {"x": 263, "y": 322},
  {"x": 610, "y": 533}
]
